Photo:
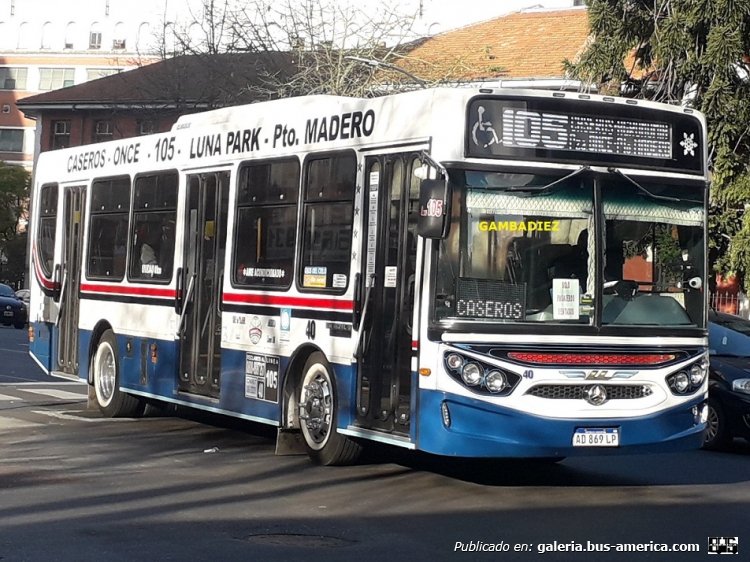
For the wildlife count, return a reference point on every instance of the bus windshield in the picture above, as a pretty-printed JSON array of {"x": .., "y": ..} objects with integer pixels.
[{"x": 522, "y": 248}]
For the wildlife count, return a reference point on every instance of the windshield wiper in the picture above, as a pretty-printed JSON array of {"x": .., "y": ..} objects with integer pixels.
[
  {"x": 536, "y": 190},
  {"x": 642, "y": 189}
]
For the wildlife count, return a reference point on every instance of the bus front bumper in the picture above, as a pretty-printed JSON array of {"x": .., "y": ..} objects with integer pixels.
[{"x": 458, "y": 426}]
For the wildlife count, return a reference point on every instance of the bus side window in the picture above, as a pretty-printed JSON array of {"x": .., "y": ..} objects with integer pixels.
[
  {"x": 108, "y": 227},
  {"x": 266, "y": 224},
  {"x": 154, "y": 217},
  {"x": 328, "y": 222}
]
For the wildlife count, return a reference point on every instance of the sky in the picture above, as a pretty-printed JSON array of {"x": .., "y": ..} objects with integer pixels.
[
  {"x": 441, "y": 15},
  {"x": 438, "y": 15}
]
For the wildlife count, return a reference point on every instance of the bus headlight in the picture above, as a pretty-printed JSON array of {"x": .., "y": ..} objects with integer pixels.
[
  {"x": 495, "y": 381},
  {"x": 455, "y": 361},
  {"x": 680, "y": 382},
  {"x": 472, "y": 374},
  {"x": 697, "y": 374},
  {"x": 690, "y": 379},
  {"x": 479, "y": 376}
]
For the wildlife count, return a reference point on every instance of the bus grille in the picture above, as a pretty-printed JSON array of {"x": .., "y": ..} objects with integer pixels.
[{"x": 578, "y": 391}]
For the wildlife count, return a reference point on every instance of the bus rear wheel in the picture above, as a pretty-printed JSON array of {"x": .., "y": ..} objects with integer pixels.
[
  {"x": 112, "y": 402},
  {"x": 318, "y": 416}
]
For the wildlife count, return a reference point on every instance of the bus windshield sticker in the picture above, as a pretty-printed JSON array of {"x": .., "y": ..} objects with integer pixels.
[
  {"x": 339, "y": 329},
  {"x": 566, "y": 299},
  {"x": 285, "y": 325},
  {"x": 339, "y": 281},
  {"x": 391, "y": 275},
  {"x": 315, "y": 277},
  {"x": 265, "y": 272},
  {"x": 262, "y": 377},
  {"x": 487, "y": 298},
  {"x": 374, "y": 180}
]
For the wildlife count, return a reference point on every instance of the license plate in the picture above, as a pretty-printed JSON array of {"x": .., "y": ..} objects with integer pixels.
[
  {"x": 596, "y": 437},
  {"x": 7, "y": 313}
]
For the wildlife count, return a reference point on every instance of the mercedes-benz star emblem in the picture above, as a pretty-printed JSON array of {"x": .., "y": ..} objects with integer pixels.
[{"x": 595, "y": 395}]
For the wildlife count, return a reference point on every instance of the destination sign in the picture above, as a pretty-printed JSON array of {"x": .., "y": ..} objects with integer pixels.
[{"x": 554, "y": 129}]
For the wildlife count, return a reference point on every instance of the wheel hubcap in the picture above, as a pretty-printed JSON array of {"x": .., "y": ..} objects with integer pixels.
[
  {"x": 104, "y": 373},
  {"x": 316, "y": 407}
]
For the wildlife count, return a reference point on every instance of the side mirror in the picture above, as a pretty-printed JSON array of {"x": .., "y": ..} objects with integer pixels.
[{"x": 434, "y": 209}]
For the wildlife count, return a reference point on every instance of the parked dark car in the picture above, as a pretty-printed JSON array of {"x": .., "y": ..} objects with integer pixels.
[
  {"x": 729, "y": 380},
  {"x": 23, "y": 295},
  {"x": 12, "y": 309}
]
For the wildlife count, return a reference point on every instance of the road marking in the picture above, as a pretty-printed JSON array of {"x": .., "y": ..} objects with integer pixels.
[
  {"x": 75, "y": 417},
  {"x": 53, "y": 393},
  {"x": 6, "y": 398},
  {"x": 12, "y": 423},
  {"x": 44, "y": 383}
]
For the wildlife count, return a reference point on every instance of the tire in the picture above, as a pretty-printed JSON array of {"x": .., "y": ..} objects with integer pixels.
[
  {"x": 112, "y": 402},
  {"x": 19, "y": 326},
  {"x": 716, "y": 436},
  {"x": 318, "y": 403}
]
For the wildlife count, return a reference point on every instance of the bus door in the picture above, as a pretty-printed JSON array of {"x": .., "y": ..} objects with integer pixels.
[
  {"x": 201, "y": 280},
  {"x": 68, "y": 274},
  {"x": 387, "y": 285}
]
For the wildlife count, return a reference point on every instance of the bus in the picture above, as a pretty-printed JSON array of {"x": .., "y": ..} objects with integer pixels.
[{"x": 466, "y": 272}]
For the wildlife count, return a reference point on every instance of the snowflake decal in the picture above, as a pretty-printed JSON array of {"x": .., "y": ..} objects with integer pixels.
[{"x": 688, "y": 144}]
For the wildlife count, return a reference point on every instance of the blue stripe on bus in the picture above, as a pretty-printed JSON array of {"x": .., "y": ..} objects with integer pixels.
[
  {"x": 479, "y": 429},
  {"x": 161, "y": 380}
]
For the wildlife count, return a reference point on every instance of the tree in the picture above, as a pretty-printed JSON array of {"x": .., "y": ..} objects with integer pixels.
[
  {"x": 326, "y": 39},
  {"x": 693, "y": 52},
  {"x": 14, "y": 194}
]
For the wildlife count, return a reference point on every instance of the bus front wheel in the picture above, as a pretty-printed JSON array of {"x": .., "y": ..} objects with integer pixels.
[
  {"x": 112, "y": 402},
  {"x": 318, "y": 416}
]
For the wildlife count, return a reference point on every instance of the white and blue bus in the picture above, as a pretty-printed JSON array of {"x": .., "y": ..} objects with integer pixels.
[{"x": 475, "y": 273}]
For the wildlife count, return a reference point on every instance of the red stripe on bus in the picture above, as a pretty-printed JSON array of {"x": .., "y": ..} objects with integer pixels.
[
  {"x": 283, "y": 301},
  {"x": 128, "y": 291},
  {"x": 45, "y": 282}
]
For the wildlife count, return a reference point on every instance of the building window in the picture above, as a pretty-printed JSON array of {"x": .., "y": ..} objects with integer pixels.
[
  {"x": 143, "y": 38},
  {"x": 146, "y": 127},
  {"x": 54, "y": 78},
  {"x": 47, "y": 36},
  {"x": 118, "y": 42},
  {"x": 13, "y": 78},
  {"x": 103, "y": 131},
  {"x": 11, "y": 140},
  {"x": 95, "y": 39},
  {"x": 70, "y": 34},
  {"x": 95, "y": 73},
  {"x": 24, "y": 35},
  {"x": 60, "y": 134}
]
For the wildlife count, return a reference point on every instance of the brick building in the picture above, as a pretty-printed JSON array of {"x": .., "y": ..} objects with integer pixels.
[{"x": 45, "y": 46}]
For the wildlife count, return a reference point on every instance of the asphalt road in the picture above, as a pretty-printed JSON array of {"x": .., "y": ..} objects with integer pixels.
[{"x": 76, "y": 487}]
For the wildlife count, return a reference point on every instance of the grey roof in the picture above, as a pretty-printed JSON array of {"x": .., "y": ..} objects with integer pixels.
[{"x": 183, "y": 81}]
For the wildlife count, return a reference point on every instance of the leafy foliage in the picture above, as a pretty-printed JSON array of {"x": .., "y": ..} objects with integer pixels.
[
  {"x": 692, "y": 52},
  {"x": 14, "y": 192}
]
